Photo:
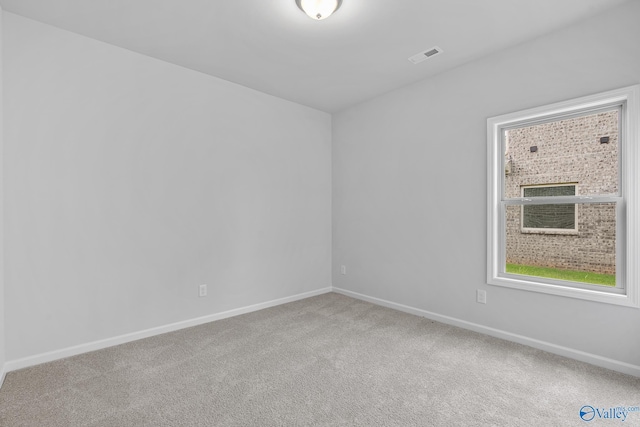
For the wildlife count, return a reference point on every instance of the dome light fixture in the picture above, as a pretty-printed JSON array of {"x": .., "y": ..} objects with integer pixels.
[{"x": 319, "y": 9}]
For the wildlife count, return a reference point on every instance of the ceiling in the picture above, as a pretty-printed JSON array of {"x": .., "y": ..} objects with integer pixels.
[{"x": 272, "y": 46}]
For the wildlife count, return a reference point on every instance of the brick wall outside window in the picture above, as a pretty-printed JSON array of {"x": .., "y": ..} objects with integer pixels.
[{"x": 568, "y": 152}]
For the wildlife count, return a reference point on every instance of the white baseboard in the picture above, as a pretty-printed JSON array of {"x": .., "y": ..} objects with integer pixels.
[
  {"x": 593, "y": 359},
  {"x": 604, "y": 362},
  {"x": 122, "y": 339}
]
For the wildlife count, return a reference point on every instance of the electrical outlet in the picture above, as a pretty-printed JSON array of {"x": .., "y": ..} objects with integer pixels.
[
  {"x": 481, "y": 296},
  {"x": 203, "y": 290},
  {"x": 343, "y": 269}
]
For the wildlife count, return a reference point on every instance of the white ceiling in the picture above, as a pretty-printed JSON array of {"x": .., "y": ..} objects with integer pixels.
[{"x": 273, "y": 47}]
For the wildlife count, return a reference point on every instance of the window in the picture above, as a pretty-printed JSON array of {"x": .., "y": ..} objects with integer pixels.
[
  {"x": 564, "y": 198},
  {"x": 549, "y": 219}
]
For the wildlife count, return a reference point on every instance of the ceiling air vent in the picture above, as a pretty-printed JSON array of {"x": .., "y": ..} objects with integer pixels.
[{"x": 429, "y": 53}]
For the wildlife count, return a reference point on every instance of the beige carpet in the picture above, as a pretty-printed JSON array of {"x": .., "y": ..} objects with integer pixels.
[{"x": 324, "y": 361}]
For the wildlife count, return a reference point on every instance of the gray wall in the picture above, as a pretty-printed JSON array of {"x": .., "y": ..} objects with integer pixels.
[
  {"x": 130, "y": 181},
  {"x": 410, "y": 196}
]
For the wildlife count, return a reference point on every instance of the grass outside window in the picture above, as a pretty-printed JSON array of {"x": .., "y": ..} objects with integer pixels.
[{"x": 569, "y": 275}]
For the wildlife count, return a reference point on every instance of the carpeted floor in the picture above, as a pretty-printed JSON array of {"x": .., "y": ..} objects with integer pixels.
[{"x": 329, "y": 360}]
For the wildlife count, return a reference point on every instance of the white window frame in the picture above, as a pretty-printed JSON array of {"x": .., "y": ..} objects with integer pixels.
[
  {"x": 533, "y": 230},
  {"x": 627, "y": 290}
]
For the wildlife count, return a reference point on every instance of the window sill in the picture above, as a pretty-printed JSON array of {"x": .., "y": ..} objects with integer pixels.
[
  {"x": 550, "y": 231},
  {"x": 521, "y": 283}
]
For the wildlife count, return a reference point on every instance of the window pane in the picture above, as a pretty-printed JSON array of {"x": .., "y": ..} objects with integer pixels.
[
  {"x": 562, "y": 216},
  {"x": 582, "y": 150},
  {"x": 552, "y": 216},
  {"x": 556, "y": 190},
  {"x": 587, "y": 255}
]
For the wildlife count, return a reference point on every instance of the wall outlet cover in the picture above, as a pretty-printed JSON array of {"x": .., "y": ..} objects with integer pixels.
[{"x": 481, "y": 296}]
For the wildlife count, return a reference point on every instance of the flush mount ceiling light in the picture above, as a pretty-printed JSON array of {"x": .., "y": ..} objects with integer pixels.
[{"x": 319, "y": 9}]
